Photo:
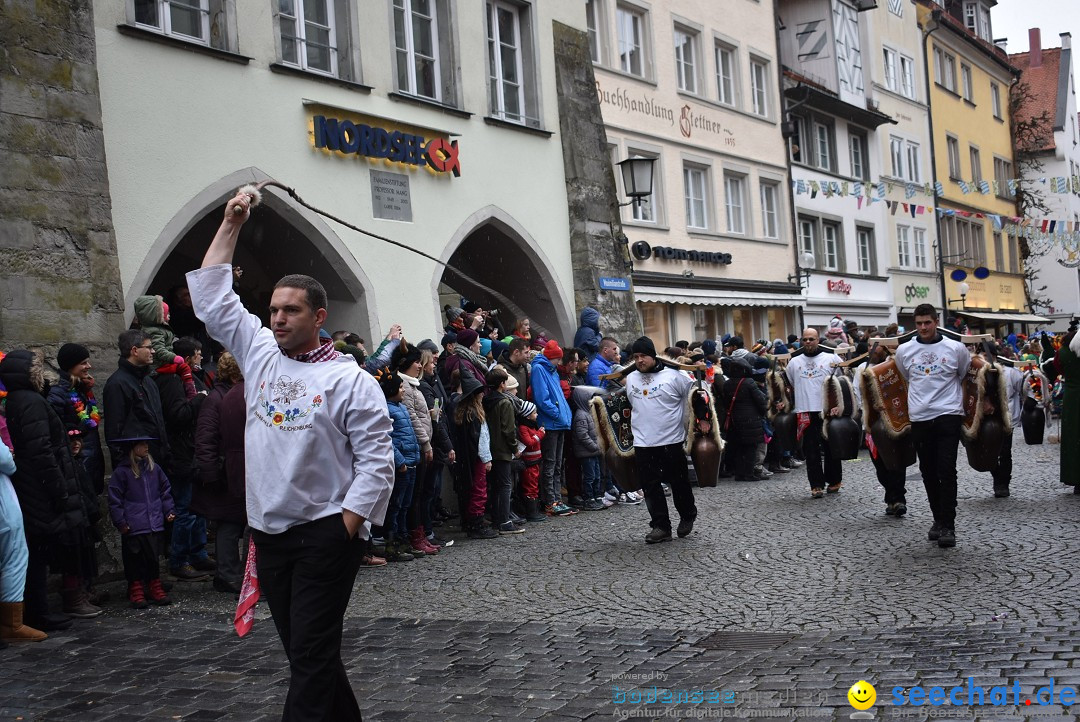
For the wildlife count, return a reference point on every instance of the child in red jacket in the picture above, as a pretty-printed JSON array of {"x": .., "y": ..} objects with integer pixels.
[{"x": 530, "y": 436}]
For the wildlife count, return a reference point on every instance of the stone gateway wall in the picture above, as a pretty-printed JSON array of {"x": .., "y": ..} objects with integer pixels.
[
  {"x": 59, "y": 276},
  {"x": 595, "y": 223}
]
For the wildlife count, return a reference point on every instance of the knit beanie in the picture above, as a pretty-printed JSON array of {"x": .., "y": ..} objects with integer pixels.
[
  {"x": 708, "y": 347},
  {"x": 428, "y": 345},
  {"x": 836, "y": 327},
  {"x": 388, "y": 381},
  {"x": 71, "y": 354},
  {"x": 467, "y": 337},
  {"x": 552, "y": 350},
  {"x": 526, "y": 409},
  {"x": 470, "y": 307},
  {"x": 485, "y": 346},
  {"x": 643, "y": 345},
  {"x": 452, "y": 314},
  {"x": 403, "y": 361},
  {"x": 448, "y": 339}
]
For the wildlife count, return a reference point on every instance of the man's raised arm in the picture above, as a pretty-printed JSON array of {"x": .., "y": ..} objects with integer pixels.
[{"x": 224, "y": 244}]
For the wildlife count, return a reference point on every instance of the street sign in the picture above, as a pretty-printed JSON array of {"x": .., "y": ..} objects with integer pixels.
[{"x": 614, "y": 284}]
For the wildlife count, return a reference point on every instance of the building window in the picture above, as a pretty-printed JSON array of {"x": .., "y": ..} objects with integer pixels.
[
  {"x": 962, "y": 240},
  {"x": 509, "y": 64},
  {"x": 965, "y": 83},
  {"x": 646, "y": 210},
  {"x": 705, "y": 323},
  {"x": 995, "y": 100},
  {"x": 830, "y": 237},
  {"x": 896, "y": 154},
  {"x": 920, "y": 247},
  {"x": 1014, "y": 254},
  {"x": 808, "y": 239},
  {"x": 1002, "y": 174},
  {"x": 420, "y": 41},
  {"x": 892, "y": 80},
  {"x": 812, "y": 141},
  {"x": 726, "y": 75},
  {"x": 592, "y": 22},
  {"x": 907, "y": 77},
  {"x": 695, "y": 183},
  {"x": 953, "y": 146},
  {"x": 686, "y": 60},
  {"x": 903, "y": 245},
  {"x": 187, "y": 19},
  {"x": 770, "y": 226},
  {"x": 823, "y": 145},
  {"x": 630, "y": 25},
  {"x": 896, "y": 7},
  {"x": 914, "y": 166},
  {"x": 759, "y": 86},
  {"x": 945, "y": 69},
  {"x": 976, "y": 165},
  {"x": 859, "y": 167},
  {"x": 864, "y": 240},
  {"x": 308, "y": 35},
  {"x": 977, "y": 19},
  {"x": 999, "y": 252},
  {"x": 734, "y": 201}
]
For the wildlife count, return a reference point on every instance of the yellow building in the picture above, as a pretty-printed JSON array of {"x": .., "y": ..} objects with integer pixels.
[{"x": 968, "y": 81}]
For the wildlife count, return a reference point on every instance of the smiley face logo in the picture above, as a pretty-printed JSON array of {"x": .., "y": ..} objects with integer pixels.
[{"x": 862, "y": 695}]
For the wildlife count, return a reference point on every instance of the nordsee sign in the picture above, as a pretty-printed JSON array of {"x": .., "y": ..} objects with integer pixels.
[
  {"x": 346, "y": 136},
  {"x": 614, "y": 284}
]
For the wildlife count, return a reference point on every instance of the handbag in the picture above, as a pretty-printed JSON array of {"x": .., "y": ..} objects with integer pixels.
[{"x": 727, "y": 421}]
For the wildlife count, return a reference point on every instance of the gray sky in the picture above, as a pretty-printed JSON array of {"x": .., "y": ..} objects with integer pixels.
[{"x": 1012, "y": 18}]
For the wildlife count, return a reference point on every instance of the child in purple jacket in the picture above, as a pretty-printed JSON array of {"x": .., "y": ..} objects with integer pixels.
[{"x": 140, "y": 502}]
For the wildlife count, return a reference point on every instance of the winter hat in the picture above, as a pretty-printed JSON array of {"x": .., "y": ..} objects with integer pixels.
[
  {"x": 836, "y": 328},
  {"x": 792, "y": 339},
  {"x": 428, "y": 345},
  {"x": 73, "y": 431},
  {"x": 452, "y": 314},
  {"x": 485, "y": 346},
  {"x": 406, "y": 358},
  {"x": 779, "y": 348},
  {"x": 708, "y": 347},
  {"x": 71, "y": 354},
  {"x": 758, "y": 348},
  {"x": 552, "y": 350},
  {"x": 643, "y": 345},
  {"x": 725, "y": 340},
  {"x": 470, "y": 307},
  {"x": 467, "y": 337},
  {"x": 736, "y": 341},
  {"x": 324, "y": 335},
  {"x": 511, "y": 382},
  {"x": 527, "y": 409},
  {"x": 389, "y": 382},
  {"x": 448, "y": 339}
]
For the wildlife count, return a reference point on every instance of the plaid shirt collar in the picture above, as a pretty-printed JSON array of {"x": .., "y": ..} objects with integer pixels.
[{"x": 326, "y": 352}]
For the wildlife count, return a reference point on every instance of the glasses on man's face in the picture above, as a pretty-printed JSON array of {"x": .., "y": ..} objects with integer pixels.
[
  {"x": 808, "y": 340},
  {"x": 147, "y": 347}
]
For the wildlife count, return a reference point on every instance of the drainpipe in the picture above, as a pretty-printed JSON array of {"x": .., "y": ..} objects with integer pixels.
[
  {"x": 785, "y": 110},
  {"x": 935, "y": 15}
]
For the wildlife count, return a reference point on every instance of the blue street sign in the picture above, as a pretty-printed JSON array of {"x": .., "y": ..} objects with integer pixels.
[{"x": 614, "y": 284}]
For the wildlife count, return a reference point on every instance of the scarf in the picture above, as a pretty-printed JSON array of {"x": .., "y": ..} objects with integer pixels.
[{"x": 468, "y": 355}]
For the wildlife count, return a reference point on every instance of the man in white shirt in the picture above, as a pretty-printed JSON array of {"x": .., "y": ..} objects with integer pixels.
[
  {"x": 1014, "y": 386},
  {"x": 807, "y": 373},
  {"x": 657, "y": 395},
  {"x": 934, "y": 367},
  {"x": 320, "y": 465}
]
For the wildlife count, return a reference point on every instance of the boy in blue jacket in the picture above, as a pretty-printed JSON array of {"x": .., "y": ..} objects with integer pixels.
[
  {"x": 406, "y": 458},
  {"x": 553, "y": 412}
]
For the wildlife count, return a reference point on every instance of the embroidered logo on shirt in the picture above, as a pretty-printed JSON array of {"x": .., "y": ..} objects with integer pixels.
[
  {"x": 927, "y": 363},
  {"x": 811, "y": 371},
  {"x": 287, "y": 406}
]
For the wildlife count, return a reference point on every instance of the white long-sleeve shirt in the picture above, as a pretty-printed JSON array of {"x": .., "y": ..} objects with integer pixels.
[
  {"x": 659, "y": 404},
  {"x": 317, "y": 434},
  {"x": 807, "y": 375},
  {"x": 1014, "y": 385},
  {"x": 934, "y": 372}
]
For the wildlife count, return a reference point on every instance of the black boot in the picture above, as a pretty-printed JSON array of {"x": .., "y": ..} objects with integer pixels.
[
  {"x": 478, "y": 529},
  {"x": 533, "y": 512}
]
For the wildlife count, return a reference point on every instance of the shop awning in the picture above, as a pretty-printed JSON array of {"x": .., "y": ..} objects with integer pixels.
[
  {"x": 1002, "y": 317},
  {"x": 701, "y": 297}
]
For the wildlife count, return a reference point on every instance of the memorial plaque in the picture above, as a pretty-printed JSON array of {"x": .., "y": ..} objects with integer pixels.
[{"x": 390, "y": 196}]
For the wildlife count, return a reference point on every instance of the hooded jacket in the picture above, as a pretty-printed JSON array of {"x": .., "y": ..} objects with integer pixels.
[
  {"x": 553, "y": 411},
  {"x": 219, "y": 456},
  {"x": 151, "y": 317},
  {"x": 519, "y": 372},
  {"x": 45, "y": 479},
  {"x": 588, "y": 335},
  {"x": 419, "y": 413},
  {"x": 141, "y": 503},
  {"x": 499, "y": 414},
  {"x": 60, "y": 396},
  {"x": 406, "y": 448},
  {"x": 584, "y": 436},
  {"x": 744, "y": 404}
]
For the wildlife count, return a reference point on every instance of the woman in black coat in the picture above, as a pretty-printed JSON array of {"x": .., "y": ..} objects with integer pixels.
[
  {"x": 72, "y": 397},
  {"x": 438, "y": 401},
  {"x": 47, "y": 485},
  {"x": 746, "y": 406}
]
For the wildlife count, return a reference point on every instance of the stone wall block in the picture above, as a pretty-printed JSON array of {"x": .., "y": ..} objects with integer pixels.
[
  {"x": 20, "y": 97},
  {"x": 76, "y": 107},
  {"x": 36, "y": 137}
]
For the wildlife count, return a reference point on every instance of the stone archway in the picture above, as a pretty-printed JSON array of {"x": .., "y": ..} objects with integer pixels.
[
  {"x": 493, "y": 248},
  {"x": 282, "y": 237}
]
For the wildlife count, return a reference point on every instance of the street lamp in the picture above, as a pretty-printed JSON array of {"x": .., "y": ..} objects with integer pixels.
[
  {"x": 637, "y": 176},
  {"x": 963, "y": 288},
  {"x": 802, "y": 270}
]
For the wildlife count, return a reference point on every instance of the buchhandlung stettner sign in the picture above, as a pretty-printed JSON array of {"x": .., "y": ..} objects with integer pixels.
[{"x": 390, "y": 196}]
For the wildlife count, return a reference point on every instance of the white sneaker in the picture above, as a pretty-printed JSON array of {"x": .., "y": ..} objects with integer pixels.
[
  {"x": 634, "y": 497},
  {"x": 607, "y": 500}
]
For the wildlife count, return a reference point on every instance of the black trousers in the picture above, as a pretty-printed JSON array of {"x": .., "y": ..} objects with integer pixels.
[
  {"x": 821, "y": 468},
  {"x": 665, "y": 463},
  {"x": 937, "y": 442},
  {"x": 307, "y": 575},
  {"x": 140, "y": 553},
  {"x": 1003, "y": 472},
  {"x": 893, "y": 482}
]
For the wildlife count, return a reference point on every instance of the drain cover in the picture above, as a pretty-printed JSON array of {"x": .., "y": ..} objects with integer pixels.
[{"x": 744, "y": 641}]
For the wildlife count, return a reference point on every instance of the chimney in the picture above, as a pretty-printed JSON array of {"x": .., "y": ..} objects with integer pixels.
[
  {"x": 1066, "y": 41},
  {"x": 1034, "y": 48},
  {"x": 1001, "y": 44}
]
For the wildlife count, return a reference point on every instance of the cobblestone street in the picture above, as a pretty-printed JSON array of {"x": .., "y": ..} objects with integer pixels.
[{"x": 577, "y": 616}]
